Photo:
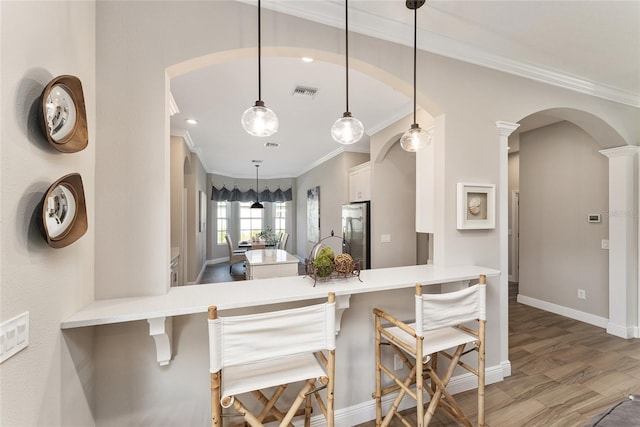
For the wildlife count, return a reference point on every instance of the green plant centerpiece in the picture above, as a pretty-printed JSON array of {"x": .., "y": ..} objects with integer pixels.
[
  {"x": 270, "y": 238},
  {"x": 324, "y": 262}
]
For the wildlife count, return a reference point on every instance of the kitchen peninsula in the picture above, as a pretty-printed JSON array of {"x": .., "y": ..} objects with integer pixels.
[
  {"x": 183, "y": 300},
  {"x": 269, "y": 263}
]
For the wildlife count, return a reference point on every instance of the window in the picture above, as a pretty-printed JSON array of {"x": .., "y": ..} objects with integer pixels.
[
  {"x": 250, "y": 221},
  {"x": 222, "y": 216},
  {"x": 280, "y": 217}
]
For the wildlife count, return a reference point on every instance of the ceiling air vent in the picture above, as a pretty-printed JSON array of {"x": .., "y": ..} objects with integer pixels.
[
  {"x": 271, "y": 144},
  {"x": 305, "y": 91}
]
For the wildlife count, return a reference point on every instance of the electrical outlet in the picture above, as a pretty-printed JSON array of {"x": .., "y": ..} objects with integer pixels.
[{"x": 582, "y": 294}]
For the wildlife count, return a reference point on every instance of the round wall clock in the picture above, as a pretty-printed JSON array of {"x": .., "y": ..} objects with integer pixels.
[
  {"x": 64, "y": 116},
  {"x": 64, "y": 213}
]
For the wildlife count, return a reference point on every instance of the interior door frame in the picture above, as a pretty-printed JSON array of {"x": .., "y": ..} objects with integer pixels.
[{"x": 514, "y": 236}]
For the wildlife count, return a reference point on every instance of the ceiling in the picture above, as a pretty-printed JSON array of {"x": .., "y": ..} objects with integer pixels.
[{"x": 587, "y": 46}]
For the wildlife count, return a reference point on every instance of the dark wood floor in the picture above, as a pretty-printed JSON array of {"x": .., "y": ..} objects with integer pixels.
[{"x": 564, "y": 372}]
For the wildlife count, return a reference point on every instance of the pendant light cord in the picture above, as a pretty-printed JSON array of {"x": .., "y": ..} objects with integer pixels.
[
  {"x": 257, "y": 191},
  {"x": 346, "y": 60},
  {"x": 259, "y": 55},
  {"x": 415, "y": 49}
]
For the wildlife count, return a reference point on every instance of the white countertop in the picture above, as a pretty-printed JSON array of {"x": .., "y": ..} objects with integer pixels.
[
  {"x": 197, "y": 298},
  {"x": 270, "y": 257}
]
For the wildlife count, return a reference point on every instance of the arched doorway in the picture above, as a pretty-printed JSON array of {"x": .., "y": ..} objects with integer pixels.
[{"x": 565, "y": 219}]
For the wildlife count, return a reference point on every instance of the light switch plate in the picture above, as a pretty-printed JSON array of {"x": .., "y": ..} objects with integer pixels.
[
  {"x": 385, "y": 238},
  {"x": 14, "y": 335}
]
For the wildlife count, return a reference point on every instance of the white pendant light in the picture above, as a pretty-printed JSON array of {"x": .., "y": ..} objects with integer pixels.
[
  {"x": 347, "y": 129},
  {"x": 257, "y": 204},
  {"x": 415, "y": 139},
  {"x": 259, "y": 120}
]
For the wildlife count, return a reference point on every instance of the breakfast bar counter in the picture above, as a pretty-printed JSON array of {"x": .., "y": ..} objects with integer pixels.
[{"x": 184, "y": 300}]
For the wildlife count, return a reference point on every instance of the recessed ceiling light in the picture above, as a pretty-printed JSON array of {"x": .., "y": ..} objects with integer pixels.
[
  {"x": 307, "y": 59},
  {"x": 191, "y": 121}
]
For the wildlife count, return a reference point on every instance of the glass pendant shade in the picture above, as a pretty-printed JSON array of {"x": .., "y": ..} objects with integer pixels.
[
  {"x": 347, "y": 130},
  {"x": 415, "y": 139},
  {"x": 259, "y": 120}
]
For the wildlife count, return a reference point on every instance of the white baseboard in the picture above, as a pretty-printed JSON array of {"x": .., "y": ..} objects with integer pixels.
[
  {"x": 564, "y": 311},
  {"x": 622, "y": 331},
  {"x": 366, "y": 411},
  {"x": 217, "y": 260},
  {"x": 506, "y": 368}
]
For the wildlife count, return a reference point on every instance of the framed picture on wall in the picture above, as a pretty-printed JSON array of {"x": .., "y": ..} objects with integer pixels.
[
  {"x": 313, "y": 214},
  {"x": 476, "y": 206},
  {"x": 202, "y": 217}
]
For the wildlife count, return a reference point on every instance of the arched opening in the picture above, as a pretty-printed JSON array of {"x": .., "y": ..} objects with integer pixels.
[
  {"x": 233, "y": 148},
  {"x": 559, "y": 226}
]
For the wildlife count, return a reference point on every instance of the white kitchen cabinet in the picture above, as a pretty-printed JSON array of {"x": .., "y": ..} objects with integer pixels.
[{"x": 360, "y": 183}]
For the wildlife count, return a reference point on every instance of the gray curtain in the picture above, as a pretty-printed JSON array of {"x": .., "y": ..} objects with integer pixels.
[{"x": 225, "y": 195}]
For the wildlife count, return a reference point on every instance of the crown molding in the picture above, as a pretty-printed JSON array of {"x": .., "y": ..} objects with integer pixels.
[
  {"x": 173, "y": 105},
  {"x": 186, "y": 136},
  {"x": 625, "y": 151},
  {"x": 362, "y": 22}
]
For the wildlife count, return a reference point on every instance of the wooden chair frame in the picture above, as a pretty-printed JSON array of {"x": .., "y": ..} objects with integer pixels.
[
  {"x": 270, "y": 413},
  {"x": 425, "y": 375}
]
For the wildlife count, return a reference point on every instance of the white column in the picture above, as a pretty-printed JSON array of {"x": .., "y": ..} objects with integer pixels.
[
  {"x": 505, "y": 129},
  {"x": 623, "y": 241}
]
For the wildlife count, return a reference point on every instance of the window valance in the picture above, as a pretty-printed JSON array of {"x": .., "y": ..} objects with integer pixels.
[{"x": 225, "y": 195}]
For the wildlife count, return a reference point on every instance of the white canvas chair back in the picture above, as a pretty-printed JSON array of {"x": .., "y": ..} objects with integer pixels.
[
  {"x": 448, "y": 325},
  {"x": 239, "y": 340},
  {"x": 254, "y": 354},
  {"x": 436, "y": 311}
]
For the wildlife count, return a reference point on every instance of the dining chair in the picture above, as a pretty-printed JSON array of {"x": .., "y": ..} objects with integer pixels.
[
  {"x": 449, "y": 324},
  {"x": 282, "y": 244},
  {"x": 272, "y": 350},
  {"x": 235, "y": 255}
]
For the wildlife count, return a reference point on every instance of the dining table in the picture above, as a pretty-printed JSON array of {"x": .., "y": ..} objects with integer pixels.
[{"x": 249, "y": 245}]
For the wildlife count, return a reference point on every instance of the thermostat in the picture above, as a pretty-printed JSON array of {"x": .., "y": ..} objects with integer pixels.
[{"x": 593, "y": 218}]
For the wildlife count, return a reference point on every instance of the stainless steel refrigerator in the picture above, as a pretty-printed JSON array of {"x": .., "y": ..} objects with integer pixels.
[{"x": 356, "y": 231}]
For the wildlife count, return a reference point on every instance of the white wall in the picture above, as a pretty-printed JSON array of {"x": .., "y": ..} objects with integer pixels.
[
  {"x": 51, "y": 381},
  {"x": 195, "y": 181},
  {"x": 393, "y": 198},
  {"x": 333, "y": 178},
  {"x": 563, "y": 178}
]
